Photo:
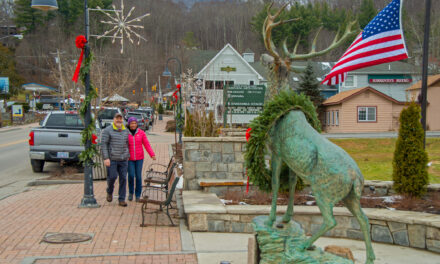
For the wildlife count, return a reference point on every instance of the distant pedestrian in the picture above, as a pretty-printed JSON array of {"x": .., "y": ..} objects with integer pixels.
[
  {"x": 115, "y": 154},
  {"x": 136, "y": 139}
]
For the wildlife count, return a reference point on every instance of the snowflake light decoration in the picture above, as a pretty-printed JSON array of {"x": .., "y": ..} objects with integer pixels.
[{"x": 123, "y": 26}]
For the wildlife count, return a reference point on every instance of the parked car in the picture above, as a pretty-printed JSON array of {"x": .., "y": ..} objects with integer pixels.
[
  {"x": 149, "y": 112},
  {"x": 58, "y": 138},
  {"x": 105, "y": 116},
  {"x": 140, "y": 117}
]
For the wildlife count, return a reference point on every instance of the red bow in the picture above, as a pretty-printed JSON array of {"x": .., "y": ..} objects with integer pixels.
[
  {"x": 178, "y": 86},
  {"x": 175, "y": 95},
  {"x": 248, "y": 134},
  {"x": 80, "y": 43}
]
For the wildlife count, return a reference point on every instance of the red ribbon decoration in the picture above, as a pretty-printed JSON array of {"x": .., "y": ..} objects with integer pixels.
[
  {"x": 248, "y": 136},
  {"x": 80, "y": 43}
]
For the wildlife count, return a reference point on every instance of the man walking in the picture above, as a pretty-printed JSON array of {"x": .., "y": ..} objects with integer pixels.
[{"x": 115, "y": 154}]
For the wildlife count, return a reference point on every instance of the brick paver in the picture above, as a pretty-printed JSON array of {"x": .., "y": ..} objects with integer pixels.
[{"x": 27, "y": 217}]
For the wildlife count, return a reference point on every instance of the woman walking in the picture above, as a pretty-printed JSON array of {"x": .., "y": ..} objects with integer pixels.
[{"x": 136, "y": 138}]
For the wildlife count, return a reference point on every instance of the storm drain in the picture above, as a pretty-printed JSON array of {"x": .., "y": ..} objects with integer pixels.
[{"x": 65, "y": 238}]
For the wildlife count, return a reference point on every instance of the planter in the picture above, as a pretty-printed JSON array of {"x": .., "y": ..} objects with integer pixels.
[{"x": 206, "y": 213}]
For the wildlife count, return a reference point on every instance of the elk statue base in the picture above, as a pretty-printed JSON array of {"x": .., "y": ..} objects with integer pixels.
[{"x": 282, "y": 243}]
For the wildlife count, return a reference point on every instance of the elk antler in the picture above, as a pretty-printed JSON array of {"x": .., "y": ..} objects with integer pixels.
[
  {"x": 269, "y": 24},
  {"x": 313, "y": 53}
]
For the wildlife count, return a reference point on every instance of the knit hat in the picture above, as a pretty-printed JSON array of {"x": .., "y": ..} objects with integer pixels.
[{"x": 132, "y": 119}]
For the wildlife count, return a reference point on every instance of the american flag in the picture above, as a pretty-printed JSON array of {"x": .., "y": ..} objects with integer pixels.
[{"x": 381, "y": 41}]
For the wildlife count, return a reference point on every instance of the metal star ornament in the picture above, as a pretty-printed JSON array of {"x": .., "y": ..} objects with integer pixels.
[{"x": 123, "y": 26}]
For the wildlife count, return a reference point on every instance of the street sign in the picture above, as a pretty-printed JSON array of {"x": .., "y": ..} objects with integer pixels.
[
  {"x": 244, "y": 101},
  {"x": 17, "y": 111},
  {"x": 4, "y": 85},
  {"x": 197, "y": 100}
]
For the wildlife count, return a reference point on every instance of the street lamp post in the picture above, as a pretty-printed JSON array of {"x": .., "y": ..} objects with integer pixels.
[
  {"x": 167, "y": 73},
  {"x": 88, "y": 200}
]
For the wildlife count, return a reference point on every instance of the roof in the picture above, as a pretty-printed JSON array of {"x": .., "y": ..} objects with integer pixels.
[
  {"x": 261, "y": 69},
  {"x": 197, "y": 59},
  {"x": 320, "y": 69},
  {"x": 236, "y": 53},
  {"x": 115, "y": 98},
  {"x": 37, "y": 87},
  {"x": 394, "y": 67},
  {"x": 344, "y": 96},
  {"x": 432, "y": 80}
]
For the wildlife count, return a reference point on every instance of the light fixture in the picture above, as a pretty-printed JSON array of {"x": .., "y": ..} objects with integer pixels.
[
  {"x": 166, "y": 73},
  {"x": 45, "y": 5}
]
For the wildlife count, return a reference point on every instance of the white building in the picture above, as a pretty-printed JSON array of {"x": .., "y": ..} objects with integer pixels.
[{"x": 228, "y": 67}]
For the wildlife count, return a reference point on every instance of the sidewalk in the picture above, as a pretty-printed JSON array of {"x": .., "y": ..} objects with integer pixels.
[{"x": 117, "y": 236}]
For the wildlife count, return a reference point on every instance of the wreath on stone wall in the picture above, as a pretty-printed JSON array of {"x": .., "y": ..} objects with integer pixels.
[{"x": 256, "y": 149}]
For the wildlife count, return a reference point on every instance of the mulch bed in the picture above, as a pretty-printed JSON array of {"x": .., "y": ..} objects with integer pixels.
[{"x": 430, "y": 203}]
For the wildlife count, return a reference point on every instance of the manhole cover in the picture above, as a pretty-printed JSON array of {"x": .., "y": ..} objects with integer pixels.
[{"x": 63, "y": 238}]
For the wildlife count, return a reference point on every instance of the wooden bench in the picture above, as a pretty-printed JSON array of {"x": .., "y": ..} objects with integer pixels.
[{"x": 155, "y": 195}]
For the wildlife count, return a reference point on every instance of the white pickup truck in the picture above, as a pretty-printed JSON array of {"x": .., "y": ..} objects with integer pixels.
[{"x": 58, "y": 138}]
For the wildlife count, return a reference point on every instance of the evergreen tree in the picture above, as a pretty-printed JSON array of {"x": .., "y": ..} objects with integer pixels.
[
  {"x": 410, "y": 160},
  {"x": 310, "y": 86},
  {"x": 7, "y": 68},
  {"x": 26, "y": 16},
  {"x": 367, "y": 13}
]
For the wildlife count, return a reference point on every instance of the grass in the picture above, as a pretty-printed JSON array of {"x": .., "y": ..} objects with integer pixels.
[{"x": 375, "y": 156}]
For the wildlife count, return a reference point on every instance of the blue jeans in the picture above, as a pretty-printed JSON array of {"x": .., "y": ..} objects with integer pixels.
[
  {"x": 117, "y": 168},
  {"x": 135, "y": 171}
]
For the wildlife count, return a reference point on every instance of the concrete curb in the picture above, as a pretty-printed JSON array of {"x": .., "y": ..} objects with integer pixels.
[
  {"x": 31, "y": 260},
  {"x": 53, "y": 182},
  {"x": 9, "y": 130}
]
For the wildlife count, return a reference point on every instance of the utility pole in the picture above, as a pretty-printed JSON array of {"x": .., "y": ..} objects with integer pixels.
[
  {"x": 61, "y": 78},
  {"x": 146, "y": 84},
  {"x": 160, "y": 92}
]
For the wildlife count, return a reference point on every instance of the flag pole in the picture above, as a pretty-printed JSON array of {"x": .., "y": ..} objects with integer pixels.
[{"x": 425, "y": 65}]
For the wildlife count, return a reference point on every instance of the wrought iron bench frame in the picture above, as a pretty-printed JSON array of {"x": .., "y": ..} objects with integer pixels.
[{"x": 166, "y": 203}]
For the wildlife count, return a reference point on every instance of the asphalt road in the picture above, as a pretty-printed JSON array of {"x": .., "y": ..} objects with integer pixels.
[{"x": 15, "y": 168}]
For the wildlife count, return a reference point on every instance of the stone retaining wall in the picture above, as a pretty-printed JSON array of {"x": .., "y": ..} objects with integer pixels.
[
  {"x": 212, "y": 158},
  {"x": 412, "y": 229}
]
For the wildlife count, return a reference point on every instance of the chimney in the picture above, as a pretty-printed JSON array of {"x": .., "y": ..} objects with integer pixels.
[{"x": 249, "y": 56}]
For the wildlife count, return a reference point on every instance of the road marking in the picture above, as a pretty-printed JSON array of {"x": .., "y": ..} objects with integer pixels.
[{"x": 13, "y": 143}]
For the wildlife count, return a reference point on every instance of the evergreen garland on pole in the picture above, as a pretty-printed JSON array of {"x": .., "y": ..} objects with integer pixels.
[
  {"x": 88, "y": 133},
  {"x": 410, "y": 173}
]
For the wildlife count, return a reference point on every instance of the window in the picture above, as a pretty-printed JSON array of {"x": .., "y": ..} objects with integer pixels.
[
  {"x": 327, "y": 120},
  {"x": 217, "y": 85},
  {"x": 65, "y": 120},
  {"x": 349, "y": 81},
  {"x": 251, "y": 82},
  {"x": 333, "y": 118},
  {"x": 337, "y": 118},
  {"x": 209, "y": 85},
  {"x": 366, "y": 114}
]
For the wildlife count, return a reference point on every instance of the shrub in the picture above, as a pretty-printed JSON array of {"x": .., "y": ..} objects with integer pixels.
[
  {"x": 160, "y": 109},
  {"x": 200, "y": 125},
  {"x": 410, "y": 160}
]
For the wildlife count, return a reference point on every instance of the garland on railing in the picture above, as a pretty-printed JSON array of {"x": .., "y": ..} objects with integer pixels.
[{"x": 88, "y": 133}]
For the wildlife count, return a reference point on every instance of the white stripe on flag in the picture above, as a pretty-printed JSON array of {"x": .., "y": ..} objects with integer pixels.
[
  {"x": 374, "y": 47},
  {"x": 377, "y": 36},
  {"x": 370, "y": 58}
]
